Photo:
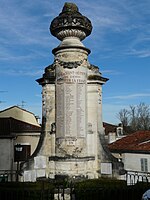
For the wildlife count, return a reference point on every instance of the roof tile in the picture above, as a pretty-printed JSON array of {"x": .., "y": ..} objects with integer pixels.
[{"x": 138, "y": 141}]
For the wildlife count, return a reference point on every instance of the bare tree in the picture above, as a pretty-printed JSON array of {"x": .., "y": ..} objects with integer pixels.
[
  {"x": 143, "y": 116},
  {"x": 123, "y": 116},
  {"x": 133, "y": 118},
  {"x": 136, "y": 117}
]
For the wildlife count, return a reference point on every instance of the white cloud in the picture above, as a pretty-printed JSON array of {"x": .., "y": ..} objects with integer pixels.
[
  {"x": 129, "y": 96},
  {"x": 139, "y": 53},
  {"x": 120, "y": 28},
  {"x": 21, "y": 72},
  {"x": 27, "y": 23},
  {"x": 111, "y": 72},
  {"x": 19, "y": 24}
]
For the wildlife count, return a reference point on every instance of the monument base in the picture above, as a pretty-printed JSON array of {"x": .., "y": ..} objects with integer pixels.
[{"x": 80, "y": 167}]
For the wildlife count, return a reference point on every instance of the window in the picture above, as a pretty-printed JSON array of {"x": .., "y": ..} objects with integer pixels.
[
  {"x": 144, "y": 165},
  {"x": 21, "y": 152}
]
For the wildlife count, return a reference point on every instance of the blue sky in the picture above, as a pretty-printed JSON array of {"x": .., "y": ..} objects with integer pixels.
[{"x": 119, "y": 43}]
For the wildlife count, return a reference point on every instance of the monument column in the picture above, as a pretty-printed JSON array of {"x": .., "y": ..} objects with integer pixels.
[
  {"x": 72, "y": 121},
  {"x": 71, "y": 69}
]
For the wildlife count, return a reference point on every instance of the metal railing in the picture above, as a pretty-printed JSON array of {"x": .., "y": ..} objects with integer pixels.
[
  {"x": 8, "y": 175},
  {"x": 133, "y": 177}
]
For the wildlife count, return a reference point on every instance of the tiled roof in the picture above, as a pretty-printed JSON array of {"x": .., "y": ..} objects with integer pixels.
[{"x": 136, "y": 142}]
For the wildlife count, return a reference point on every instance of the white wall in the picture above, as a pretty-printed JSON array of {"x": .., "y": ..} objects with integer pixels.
[
  {"x": 30, "y": 138},
  {"x": 133, "y": 161},
  {"x": 19, "y": 114},
  {"x": 6, "y": 154}
]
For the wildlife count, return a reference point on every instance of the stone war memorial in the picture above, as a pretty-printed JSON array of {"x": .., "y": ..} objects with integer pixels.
[{"x": 71, "y": 143}]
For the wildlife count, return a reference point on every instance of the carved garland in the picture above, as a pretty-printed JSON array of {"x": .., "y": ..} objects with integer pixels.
[{"x": 69, "y": 65}]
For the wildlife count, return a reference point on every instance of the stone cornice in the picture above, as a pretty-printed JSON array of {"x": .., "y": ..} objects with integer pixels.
[
  {"x": 97, "y": 77},
  {"x": 70, "y": 47},
  {"x": 48, "y": 76},
  {"x": 71, "y": 158}
]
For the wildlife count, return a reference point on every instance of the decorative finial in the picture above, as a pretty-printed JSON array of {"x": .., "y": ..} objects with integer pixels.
[
  {"x": 70, "y": 23},
  {"x": 70, "y": 7}
]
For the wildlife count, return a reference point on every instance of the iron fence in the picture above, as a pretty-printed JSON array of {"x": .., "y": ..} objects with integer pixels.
[
  {"x": 8, "y": 175},
  {"x": 131, "y": 192},
  {"x": 44, "y": 191}
]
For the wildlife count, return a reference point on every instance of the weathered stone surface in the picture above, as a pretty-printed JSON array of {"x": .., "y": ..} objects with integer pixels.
[
  {"x": 70, "y": 23},
  {"x": 71, "y": 102}
]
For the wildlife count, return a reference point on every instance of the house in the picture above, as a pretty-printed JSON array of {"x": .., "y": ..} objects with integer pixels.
[
  {"x": 19, "y": 136},
  {"x": 113, "y": 132},
  {"x": 134, "y": 151},
  {"x": 109, "y": 128},
  {"x": 118, "y": 129}
]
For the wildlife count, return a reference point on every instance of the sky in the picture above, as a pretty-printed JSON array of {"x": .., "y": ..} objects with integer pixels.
[{"x": 119, "y": 44}]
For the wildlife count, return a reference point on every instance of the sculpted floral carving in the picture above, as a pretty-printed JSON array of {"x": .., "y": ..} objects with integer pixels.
[
  {"x": 69, "y": 65},
  {"x": 71, "y": 33}
]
